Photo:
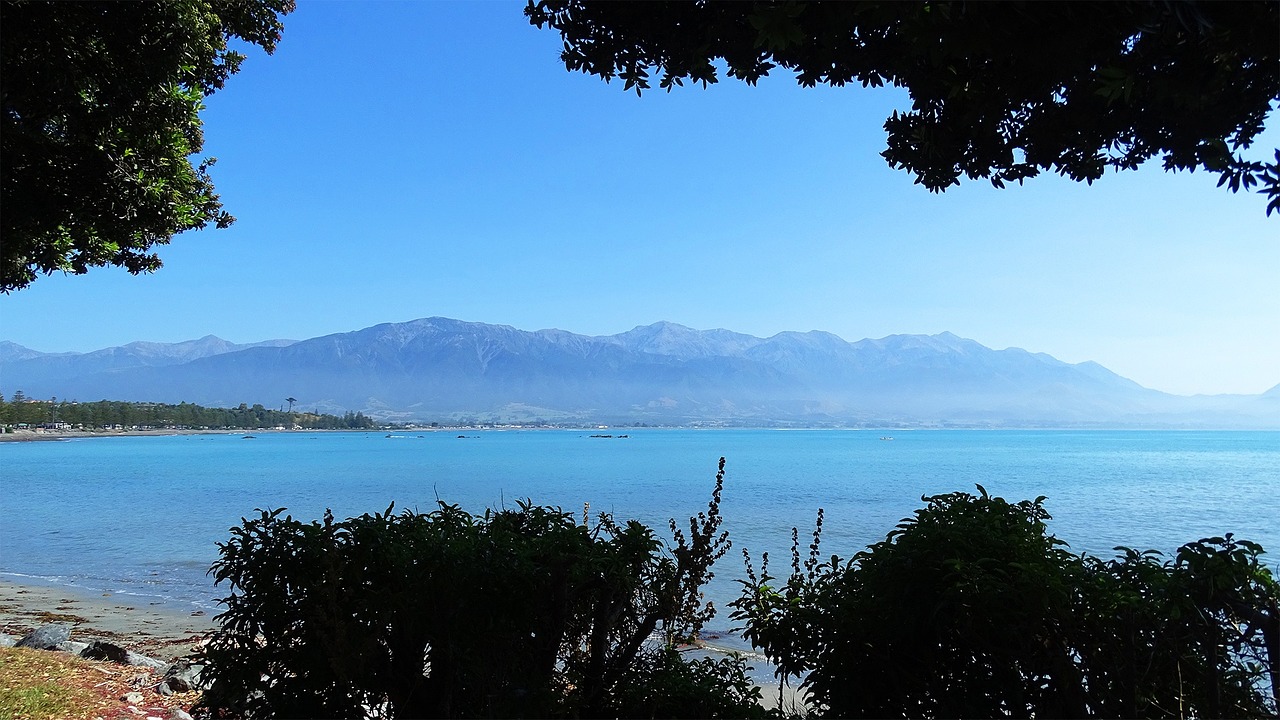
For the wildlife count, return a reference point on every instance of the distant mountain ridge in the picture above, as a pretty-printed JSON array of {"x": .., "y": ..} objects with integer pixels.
[
  {"x": 36, "y": 368},
  {"x": 439, "y": 369}
]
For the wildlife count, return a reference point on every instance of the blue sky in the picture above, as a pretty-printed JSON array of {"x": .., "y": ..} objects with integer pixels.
[{"x": 396, "y": 160}]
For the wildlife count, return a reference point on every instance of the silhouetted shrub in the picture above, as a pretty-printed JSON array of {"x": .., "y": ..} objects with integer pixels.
[
  {"x": 970, "y": 609},
  {"x": 516, "y": 613}
]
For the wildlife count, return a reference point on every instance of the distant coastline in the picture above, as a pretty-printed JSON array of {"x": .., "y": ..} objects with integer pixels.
[
  {"x": 50, "y": 435},
  {"x": 397, "y": 430}
]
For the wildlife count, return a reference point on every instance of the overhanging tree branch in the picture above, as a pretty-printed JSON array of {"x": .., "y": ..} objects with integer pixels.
[{"x": 999, "y": 91}]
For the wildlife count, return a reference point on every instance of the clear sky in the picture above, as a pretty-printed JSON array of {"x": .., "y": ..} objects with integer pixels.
[{"x": 397, "y": 160}]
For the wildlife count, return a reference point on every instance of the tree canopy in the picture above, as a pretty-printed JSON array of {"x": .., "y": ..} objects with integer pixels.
[
  {"x": 101, "y": 114},
  {"x": 999, "y": 91}
]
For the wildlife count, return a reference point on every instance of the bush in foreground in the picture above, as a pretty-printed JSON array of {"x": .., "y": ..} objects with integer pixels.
[
  {"x": 971, "y": 609},
  {"x": 516, "y": 613},
  {"x": 968, "y": 608}
]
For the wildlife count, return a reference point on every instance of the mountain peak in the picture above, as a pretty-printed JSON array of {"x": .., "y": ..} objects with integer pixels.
[
  {"x": 944, "y": 342},
  {"x": 679, "y": 341},
  {"x": 662, "y": 326}
]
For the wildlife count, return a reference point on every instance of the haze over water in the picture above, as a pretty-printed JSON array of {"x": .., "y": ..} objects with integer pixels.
[{"x": 143, "y": 514}]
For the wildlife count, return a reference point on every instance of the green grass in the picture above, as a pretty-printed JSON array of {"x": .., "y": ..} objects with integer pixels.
[
  {"x": 46, "y": 700},
  {"x": 39, "y": 685}
]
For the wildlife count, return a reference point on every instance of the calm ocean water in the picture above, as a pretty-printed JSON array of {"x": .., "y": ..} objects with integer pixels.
[{"x": 142, "y": 515}]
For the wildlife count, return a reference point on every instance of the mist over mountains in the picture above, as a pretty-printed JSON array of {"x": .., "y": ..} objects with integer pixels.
[{"x": 438, "y": 369}]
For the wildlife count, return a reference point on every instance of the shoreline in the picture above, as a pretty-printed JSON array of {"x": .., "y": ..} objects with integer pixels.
[
  {"x": 22, "y": 436},
  {"x": 160, "y": 630},
  {"x": 25, "y": 436},
  {"x": 42, "y": 436},
  {"x": 141, "y": 620},
  {"x": 145, "y": 626}
]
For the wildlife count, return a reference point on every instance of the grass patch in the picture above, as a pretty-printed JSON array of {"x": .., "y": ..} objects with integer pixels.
[
  {"x": 34, "y": 686},
  {"x": 41, "y": 701},
  {"x": 45, "y": 685}
]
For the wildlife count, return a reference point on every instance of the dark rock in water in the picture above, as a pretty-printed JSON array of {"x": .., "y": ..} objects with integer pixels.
[
  {"x": 46, "y": 637},
  {"x": 183, "y": 676},
  {"x": 103, "y": 650}
]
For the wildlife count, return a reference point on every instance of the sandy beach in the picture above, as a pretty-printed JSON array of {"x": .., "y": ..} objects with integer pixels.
[
  {"x": 42, "y": 435},
  {"x": 140, "y": 624}
]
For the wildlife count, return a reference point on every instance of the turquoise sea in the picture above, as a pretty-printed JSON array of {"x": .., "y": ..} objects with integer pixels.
[{"x": 143, "y": 515}]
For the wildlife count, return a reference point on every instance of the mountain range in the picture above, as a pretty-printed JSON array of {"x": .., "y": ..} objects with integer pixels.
[{"x": 438, "y": 369}]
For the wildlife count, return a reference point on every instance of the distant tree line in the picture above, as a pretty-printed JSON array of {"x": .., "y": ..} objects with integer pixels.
[{"x": 108, "y": 413}]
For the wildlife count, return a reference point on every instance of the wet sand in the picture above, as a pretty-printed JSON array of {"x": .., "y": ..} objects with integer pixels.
[{"x": 140, "y": 624}]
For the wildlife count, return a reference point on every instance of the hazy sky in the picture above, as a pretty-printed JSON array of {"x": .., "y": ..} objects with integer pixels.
[{"x": 400, "y": 160}]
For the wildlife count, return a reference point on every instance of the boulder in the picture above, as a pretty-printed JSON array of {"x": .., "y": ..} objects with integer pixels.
[
  {"x": 183, "y": 676},
  {"x": 137, "y": 660},
  {"x": 71, "y": 646},
  {"x": 7, "y": 640},
  {"x": 46, "y": 637}
]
